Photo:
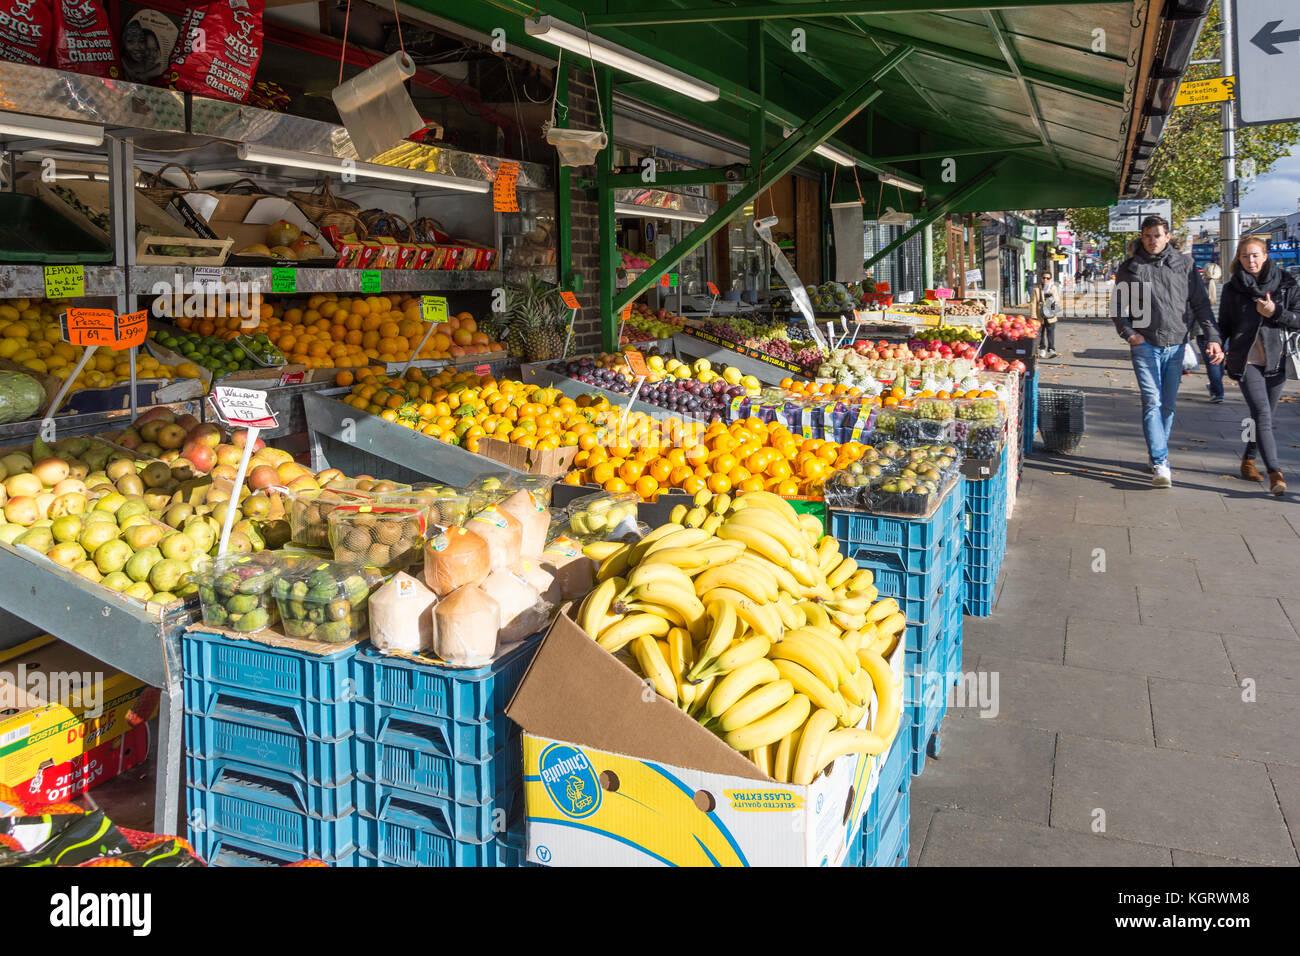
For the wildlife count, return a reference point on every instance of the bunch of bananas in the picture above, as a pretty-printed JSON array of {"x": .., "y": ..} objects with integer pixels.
[{"x": 751, "y": 621}]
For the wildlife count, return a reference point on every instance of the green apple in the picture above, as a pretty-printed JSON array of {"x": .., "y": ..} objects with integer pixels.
[{"x": 139, "y": 565}]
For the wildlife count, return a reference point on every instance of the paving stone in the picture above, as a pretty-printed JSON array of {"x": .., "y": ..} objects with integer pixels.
[
  {"x": 1188, "y": 858},
  {"x": 1212, "y": 612},
  {"x": 1149, "y": 651},
  {"x": 1286, "y": 786},
  {"x": 918, "y": 827},
  {"x": 1168, "y": 798},
  {"x": 1016, "y": 635},
  {"x": 1200, "y": 719},
  {"x": 1274, "y": 664},
  {"x": 991, "y": 767},
  {"x": 1292, "y": 608},
  {"x": 1276, "y": 551},
  {"x": 960, "y": 838},
  {"x": 1071, "y": 699},
  {"x": 1113, "y": 512},
  {"x": 1256, "y": 521},
  {"x": 1173, "y": 573},
  {"x": 1105, "y": 600},
  {"x": 1173, "y": 542},
  {"x": 1070, "y": 535},
  {"x": 1243, "y": 580}
]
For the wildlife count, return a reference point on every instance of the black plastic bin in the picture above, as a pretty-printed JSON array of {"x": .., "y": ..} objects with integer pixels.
[{"x": 1062, "y": 418}]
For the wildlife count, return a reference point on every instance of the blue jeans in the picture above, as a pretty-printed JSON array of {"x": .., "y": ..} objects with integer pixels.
[
  {"x": 1159, "y": 370},
  {"x": 1213, "y": 372}
]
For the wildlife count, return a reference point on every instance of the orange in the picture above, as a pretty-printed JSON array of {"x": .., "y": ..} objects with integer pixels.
[
  {"x": 693, "y": 484},
  {"x": 343, "y": 378},
  {"x": 752, "y": 483},
  {"x": 647, "y": 487},
  {"x": 678, "y": 476},
  {"x": 718, "y": 484},
  {"x": 660, "y": 470},
  {"x": 631, "y": 471},
  {"x": 616, "y": 486},
  {"x": 787, "y": 488}
]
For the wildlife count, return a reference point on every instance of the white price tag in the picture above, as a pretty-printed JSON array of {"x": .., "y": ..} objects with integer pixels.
[
  {"x": 905, "y": 298},
  {"x": 206, "y": 274},
  {"x": 243, "y": 406}
]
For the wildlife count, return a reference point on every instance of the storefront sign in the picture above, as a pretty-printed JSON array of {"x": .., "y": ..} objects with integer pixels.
[
  {"x": 1217, "y": 89},
  {"x": 1045, "y": 233}
]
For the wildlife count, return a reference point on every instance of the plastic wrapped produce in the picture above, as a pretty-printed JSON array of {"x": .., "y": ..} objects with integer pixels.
[
  {"x": 602, "y": 515},
  {"x": 235, "y": 591},
  {"x": 381, "y": 536},
  {"x": 503, "y": 534},
  {"x": 523, "y": 612},
  {"x": 575, "y": 573},
  {"x": 309, "y": 513},
  {"x": 324, "y": 601},
  {"x": 543, "y": 581},
  {"x": 466, "y": 629},
  {"x": 402, "y": 616},
  {"x": 533, "y": 518},
  {"x": 454, "y": 558}
]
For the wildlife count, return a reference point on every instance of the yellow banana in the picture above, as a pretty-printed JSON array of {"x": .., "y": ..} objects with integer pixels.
[
  {"x": 852, "y": 640},
  {"x": 592, "y": 613},
  {"x": 755, "y": 705},
  {"x": 671, "y": 615},
  {"x": 757, "y": 541},
  {"x": 862, "y": 578},
  {"x": 761, "y": 617},
  {"x": 842, "y": 572},
  {"x": 848, "y": 622},
  {"x": 678, "y": 515},
  {"x": 854, "y": 715},
  {"x": 712, "y": 523},
  {"x": 739, "y": 654},
  {"x": 749, "y": 581},
  {"x": 723, "y": 630},
  {"x": 763, "y": 571},
  {"x": 894, "y": 624},
  {"x": 772, "y": 502},
  {"x": 739, "y": 682},
  {"x": 702, "y": 691},
  {"x": 648, "y": 572},
  {"x": 771, "y": 728},
  {"x": 778, "y": 528},
  {"x": 721, "y": 504},
  {"x": 806, "y": 682},
  {"x": 810, "y": 745},
  {"x": 688, "y": 607},
  {"x": 889, "y": 692},
  {"x": 799, "y": 648},
  {"x": 685, "y": 538},
  {"x": 881, "y": 610},
  {"x": 702, "y": 498},
  {"x": 638, "y": 550},
  {"x": 809, "y": 575},
  {"x": 681, "y": 653},
  {"x": 816, "y": 614},
  {"x": 856, "y": 689},
  {"x": 600, "y": 550},
  {"x": 791, "y": 617},
  {"x": 784, "y": 579},
  {"x": 812, "y": 527},
  {"x": 849, "y": 605},
  {"x": 762, "y": 757},
  {"x": 849, "y": 740},
  {"x": 695, "y": 517},
  {"x": 617, "y": 636},
  {"x": 615, "y": 565},
  {"x": 869, "y": 592},
  {"x": 688, "y": 560},
  {"x": 828, "y": 554},
  {"x": 834, "y": 649},
  {"x": 654, "y": 667},
  {"x": 783, "y": 759}
]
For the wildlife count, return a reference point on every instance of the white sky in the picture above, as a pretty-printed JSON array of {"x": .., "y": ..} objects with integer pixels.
[{"x": 1277, "y": 193}]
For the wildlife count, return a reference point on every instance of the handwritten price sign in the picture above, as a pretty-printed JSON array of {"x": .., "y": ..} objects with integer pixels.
[
  {"x": 505, "y": 192},
  {"x": 433, "y": 308},
  {"x": 243, "y": 406},
  {"x": 88, "y": 327},
  {"x": 570, "y": 299}
]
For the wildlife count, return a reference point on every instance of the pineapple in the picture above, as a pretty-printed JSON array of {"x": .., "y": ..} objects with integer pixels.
[{"x": 538, "y": 320}]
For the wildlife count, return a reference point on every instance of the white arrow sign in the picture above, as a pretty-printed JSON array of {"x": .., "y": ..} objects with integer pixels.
[{"x": 1267, "y": 46}]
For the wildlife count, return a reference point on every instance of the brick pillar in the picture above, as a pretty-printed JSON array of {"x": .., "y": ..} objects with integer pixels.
[{"x": 585, "y": 218}]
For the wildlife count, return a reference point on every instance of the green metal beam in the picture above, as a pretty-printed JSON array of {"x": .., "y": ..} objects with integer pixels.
[
  {"x": 684, "y": 177},
  {"x": 779, "y": 161},
  {"x": 826, "y": 8},
  {"x": 940, "y": 208},
  {"x": 1035, "y": 112},
  {"x": 960, "y": 151}
]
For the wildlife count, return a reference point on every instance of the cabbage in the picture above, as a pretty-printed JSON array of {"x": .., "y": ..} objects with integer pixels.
[{"x": 21, "y": 396}]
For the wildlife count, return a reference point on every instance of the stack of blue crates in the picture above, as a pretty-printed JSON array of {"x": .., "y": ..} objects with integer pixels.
[
  {"x": 350, "y": 757},
  {"x": 1029, "y": 412},
  {"x": 881, "y": 840},
  {"x": 986, "y": 539},
  {"x": 269, "y": 753},
  {"x": 439, "y": 765},
  {"x": 918, "y": 562}
]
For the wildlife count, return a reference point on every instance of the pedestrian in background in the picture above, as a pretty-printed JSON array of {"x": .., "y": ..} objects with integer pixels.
[
  {"x": 1157, "y": 292},
  {"x": 1045, "y": 306},
  {"x": 1213, "y": 370},
  {"x": 1261, "y": 300}
]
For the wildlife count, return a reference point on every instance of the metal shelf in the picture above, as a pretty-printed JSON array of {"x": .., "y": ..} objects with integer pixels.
[
  {"x": 143, "y": 279},
  {"x": 28, "y": 282}
]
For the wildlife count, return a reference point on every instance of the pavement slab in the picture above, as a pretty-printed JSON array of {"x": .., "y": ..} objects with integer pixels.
[
  {"x": 1221, "y": 612},
  {"x": 1273, "y": 664},
  {"x": 1286, "y": 785},
  {"x": 1247, "y": 722},
  {"x": 961, "y": 838},
  {"x": 1195, "y": 656}
]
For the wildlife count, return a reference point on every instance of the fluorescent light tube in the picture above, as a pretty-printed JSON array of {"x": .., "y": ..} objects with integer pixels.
[
  {"x": 570, "y": 38},
  {"x": 254, "y": 153},
  {"x": 828, "y": 152},
  {"x": 654, "y": 212},
  {"x": 890, "y": 180},
  {"x": 41, "y": 127}
]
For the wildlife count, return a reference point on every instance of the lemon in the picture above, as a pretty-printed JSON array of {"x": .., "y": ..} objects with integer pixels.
[
  {"x": 103, "y": 362},
  {"x": 15, "y": 330},
  {"x": 66, "y": 351},
  {"x": 8, "y": 347},
  {"x": 36, "y": 365},
  {"x": 23, "y": 354}
]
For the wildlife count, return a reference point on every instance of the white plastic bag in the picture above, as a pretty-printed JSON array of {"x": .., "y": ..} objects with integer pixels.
[
  {"x": 402, "y": 615},
  {"x": 1190, "y": 358}
]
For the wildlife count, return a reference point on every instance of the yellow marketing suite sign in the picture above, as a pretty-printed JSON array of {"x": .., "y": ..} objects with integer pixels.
[{"x": 1218, "y": 89}]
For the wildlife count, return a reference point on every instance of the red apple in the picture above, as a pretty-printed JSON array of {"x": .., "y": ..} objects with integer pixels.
[{"x": 202, "y": 457}]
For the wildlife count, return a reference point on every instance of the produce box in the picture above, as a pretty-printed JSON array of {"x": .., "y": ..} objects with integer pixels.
[
  {"x": 244, "y": 219},
  {"x": 47, "y": 722},
  {"x": 614, "y": 779},
  {"x": 60, "y": 783},
  {"x": 553, "y": 462},
  {"x": 86, "y": 204}
]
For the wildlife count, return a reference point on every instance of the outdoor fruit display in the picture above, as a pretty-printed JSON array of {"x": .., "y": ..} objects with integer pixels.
[
  {"x": 866, "y": 364},
  {"x": 646, "y": 324},
  {"x": 377, "y": 535},
  {"x": 1012, "y": 328},
  {"x": 761, "y": 630},
  {"x": 323, "y": 601},
  {"x": 698, "y": 389},
  {"x": 750, "y": 455},
  {"x": 219, "y": 356},
  {"x": 235, "y": 591},
  {"x": 786, "y": 341},
  {"x": 30, "y": 336}
]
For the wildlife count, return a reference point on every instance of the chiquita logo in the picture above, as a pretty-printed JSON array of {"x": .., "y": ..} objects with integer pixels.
[{"x": 570, "y": 781}]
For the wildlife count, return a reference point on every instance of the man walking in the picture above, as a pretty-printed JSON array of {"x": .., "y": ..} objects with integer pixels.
[{"x": 1158, "y": 296}]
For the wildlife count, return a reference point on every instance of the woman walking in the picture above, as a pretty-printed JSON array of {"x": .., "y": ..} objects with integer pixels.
[
  {"x": 1213, "y": 371},
  {"x": 1259, "y": 302},
  {"x": 1045, "y": 306}
]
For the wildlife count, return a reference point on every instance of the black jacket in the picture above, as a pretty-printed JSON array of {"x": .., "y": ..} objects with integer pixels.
[
  {"x": 1239, "y": 321},
  {"x": 1155, "y": 295}
]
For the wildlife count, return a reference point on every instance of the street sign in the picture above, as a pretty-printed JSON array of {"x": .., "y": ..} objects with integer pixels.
[
  {"x": 1046, "y": 233},
  {"x": 1217, "y": 89},
  {"x": 1267, "y": 51},
  {"x": 1127, "y": 214}
]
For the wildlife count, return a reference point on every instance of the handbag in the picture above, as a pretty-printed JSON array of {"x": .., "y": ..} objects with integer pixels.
[
  {"x": 1190, "y": 358},
  {"x": 1291, "y": 354}
]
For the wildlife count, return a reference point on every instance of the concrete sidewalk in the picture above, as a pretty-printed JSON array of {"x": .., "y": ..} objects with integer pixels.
[{"x": 1147, "y": 645}]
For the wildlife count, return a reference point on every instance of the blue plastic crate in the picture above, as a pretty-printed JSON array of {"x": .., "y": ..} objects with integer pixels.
[
  {"x": 221, "y": 775},
  {"x": 269, "y": 735},
  {"x": 316, "y": 719},
  {"x": 276, "y": 817},
  {"x": 892, "y": 850},
  {"x": 1029, "y": 420},
  {"x": 917, "y": 594},
  {"x": 462, "y": 822},
  {"x": 925, "y": 736},
  {"x": 856, "y": 530},
  {"x": 920, "y": 637},
  {"x": 984, "y": 573},
  {"x": 407, "y": 831},
  {"x": 919, "y": 668},
  {"x": 462, "y": 694},
  {"x": 954, "y": 660},
  {"x": 216, "y": 659},
  {"x": 472, "y": 741},
  {"x": 408, "y": 756},
  {"x": 977, "y": 599},
  {"x": 220, "y": 849}
]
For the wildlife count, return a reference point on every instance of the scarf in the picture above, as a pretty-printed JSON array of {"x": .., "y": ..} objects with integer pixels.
[{"x": 1258, "y": 286}]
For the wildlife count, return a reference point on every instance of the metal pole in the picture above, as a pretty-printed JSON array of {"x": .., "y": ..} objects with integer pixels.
[{"x": 1230, "y": 218}]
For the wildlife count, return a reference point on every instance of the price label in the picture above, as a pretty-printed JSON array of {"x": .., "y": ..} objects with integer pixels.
[
  {"x": 943, "y": 293},
  {"x": 89, "y": 326},
  {"x": 292, "y": 378},
  {"x": 905, "y": 298},
  {"x": 206, "y": 275},
  {"x": 131, "y": 330},
  {"x": 882, "y": 287},
  {"x": 668, "y": 281},
  {"x": 713, "y": 289},
  {"x": 371, "y": 282},
  {"x": 433, "y": 308},
  {"x": 505, "y": 188},
  {"x": 65, "y": 282},
  {"x": 636, "y": 362},
  {"x": 284, "y": 281},
  {"x": 627, "y": 312},
  {"x": 243, "y": 406},
  {"x": 929, "y": 293},
  {"x": 481, "y": 370},
  {"x": 570, "y": 299}
]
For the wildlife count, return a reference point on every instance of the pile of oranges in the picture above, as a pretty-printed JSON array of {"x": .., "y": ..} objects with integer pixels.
[
  {"x": 328, "y": 331},
  {"x": 749, "y": 455},
  {"x": 890, "y": 397},
  {"x": 805, "y": 388},
  {"x": 461, "y": 408}
]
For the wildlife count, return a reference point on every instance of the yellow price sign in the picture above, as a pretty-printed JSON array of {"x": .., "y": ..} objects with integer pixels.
[
  {"x": 65, "y": 282},
  {"x": 433, "y": 308}
]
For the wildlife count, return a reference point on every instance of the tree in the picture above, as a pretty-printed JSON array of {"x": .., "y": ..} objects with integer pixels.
[{"x": 1186, "y": 166}]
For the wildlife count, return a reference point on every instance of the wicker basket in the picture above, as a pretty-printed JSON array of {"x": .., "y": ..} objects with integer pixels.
[
  {"x": 388, "y": 225},
  {"x": 344, "y": 222},
  {"x": 161, "y": 193}
]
